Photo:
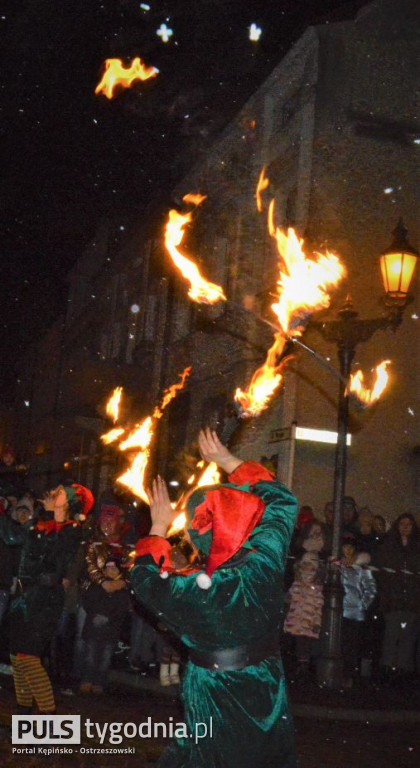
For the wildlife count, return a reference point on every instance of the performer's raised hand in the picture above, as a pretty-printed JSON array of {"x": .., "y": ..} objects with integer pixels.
[
  {"x": 161, "y": 510},
  {"x": 212, "y": 449}
]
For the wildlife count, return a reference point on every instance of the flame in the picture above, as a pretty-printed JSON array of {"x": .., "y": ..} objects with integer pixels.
[
  {"x": 264, "y": 381},
  {"x": 303, "y": 286},
  {"x": 302, "y": 289},
  {"x": 209, "y": 476},
  {"x": 263, "y": 183},
  {"x": 141, "y": 437},
  {"x": 116, "y": 74},
  {"x": 133, "y": 478},
  {"x": 112, "y": 435},
  {"x": 113, "y": 404},
  {"x": 364, "y": 394},
  {"x": 178, "y": 524},
  {"x": 171, "y": 392},
  {"x": 201, "y": 290},
  {"x": 194, "y": 199}
]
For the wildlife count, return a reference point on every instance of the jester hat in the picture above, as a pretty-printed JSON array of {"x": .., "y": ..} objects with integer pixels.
[
  {"x": 80, "y": 500},
  {"x": 221, "y": 518}
]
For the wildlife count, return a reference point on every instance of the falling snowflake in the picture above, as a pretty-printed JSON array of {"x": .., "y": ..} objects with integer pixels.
[
  {"x": 254, "y": 33},
  {"x": 164, "y": 33}
]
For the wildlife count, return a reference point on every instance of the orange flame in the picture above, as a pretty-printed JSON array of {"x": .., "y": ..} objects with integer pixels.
[
  {"x": 133, "y": 478},
  {"x": 113, "y": 404},
  {"x": 210, "y": 476},
  {"x": 302, "y": 289},
  {"x": 141, "y": 437},
  {"x": 201, "y": 290},
  {"x": 112, "y": 435},
  {"x": 303, "y": 286},
  {"x": 364, "y": 394},
  {"x": 264, "y": 381},
  {"x": 171, "y": 392},
  {"x": 262, "y": 184},
  {"x": 194, "y": 199},
  {"x": 116, "y": 74}
]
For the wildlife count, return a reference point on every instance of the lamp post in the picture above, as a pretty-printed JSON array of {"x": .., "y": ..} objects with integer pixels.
[{"x": 397, "y": 265}]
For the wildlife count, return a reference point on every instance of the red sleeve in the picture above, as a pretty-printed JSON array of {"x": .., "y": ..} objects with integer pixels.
[
  {"x": 250, "y": 472},
  {"x": 157, "y": 547}
]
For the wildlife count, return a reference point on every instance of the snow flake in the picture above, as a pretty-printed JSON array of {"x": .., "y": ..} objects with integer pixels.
[
  {"x": 254, "y": 33},
  {"x": 164, "y": 33}
]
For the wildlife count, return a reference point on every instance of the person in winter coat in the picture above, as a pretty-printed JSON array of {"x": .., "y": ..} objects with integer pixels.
[
  {"x": 359, "y": 592},
  {"x": 47, "y": 548},
  {"x": 228, "y": 616},
  {"x": 305, "y": 597},
  {"x": 106, "y": 599},
  {"x": 398, "y": 563}
]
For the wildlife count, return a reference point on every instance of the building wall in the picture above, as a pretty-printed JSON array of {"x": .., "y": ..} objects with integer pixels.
[{"x": 334, "y": 125}]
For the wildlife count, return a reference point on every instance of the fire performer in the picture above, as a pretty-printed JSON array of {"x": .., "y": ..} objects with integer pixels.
[
  {"x": 47, "y": 550},
  {"x": 228, "y": 616}
]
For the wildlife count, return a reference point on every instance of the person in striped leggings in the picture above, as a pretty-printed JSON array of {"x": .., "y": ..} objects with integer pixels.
[{"x": 47, "y": 549}]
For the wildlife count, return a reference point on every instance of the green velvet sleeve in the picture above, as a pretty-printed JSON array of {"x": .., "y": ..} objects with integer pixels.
[{"x": 244, "y": 601}]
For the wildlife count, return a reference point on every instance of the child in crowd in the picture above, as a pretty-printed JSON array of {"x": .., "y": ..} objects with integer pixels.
[
  {"x": 306, "y": 599},
  {"x": 359, "y": 592},
  {"x": 106, "y": 599},
  {"x": 106, "y": 609}
]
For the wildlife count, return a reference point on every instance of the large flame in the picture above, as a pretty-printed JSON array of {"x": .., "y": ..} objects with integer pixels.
[
  {"x": 141, "y": 437},
  {"x": 262, "y": 184},
  {"x": 117, "y": 74},
  {"x": 201, "y": 290},
  {"x": 364, "y": 394},
  {"x": 113, "y": 404},
  {"x": 264, "y": 381},
  {"x": 302, "y": 287}
]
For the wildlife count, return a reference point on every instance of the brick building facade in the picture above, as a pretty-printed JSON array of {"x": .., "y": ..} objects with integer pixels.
[{"x": 336, "y": 127}]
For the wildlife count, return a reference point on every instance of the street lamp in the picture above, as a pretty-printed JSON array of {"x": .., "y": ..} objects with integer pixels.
[{"x": 397, "y": 267}]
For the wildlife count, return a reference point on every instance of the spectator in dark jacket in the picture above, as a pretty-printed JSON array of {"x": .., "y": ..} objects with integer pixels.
[{"x": 398, "y": 561}]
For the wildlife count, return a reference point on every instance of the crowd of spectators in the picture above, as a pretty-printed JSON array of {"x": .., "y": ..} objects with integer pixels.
[
  {"x": 380, "y": 574},
  {"x": 102, "y": 623}
]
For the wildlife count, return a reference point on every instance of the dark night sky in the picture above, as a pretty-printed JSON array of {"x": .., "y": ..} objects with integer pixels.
[{"x": 70, "y": 156}]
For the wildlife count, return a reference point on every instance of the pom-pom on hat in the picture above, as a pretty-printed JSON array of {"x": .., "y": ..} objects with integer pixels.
[{"x": 80, "y": 500}]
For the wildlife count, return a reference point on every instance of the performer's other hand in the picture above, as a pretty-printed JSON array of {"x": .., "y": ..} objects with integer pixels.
[
  {"x": 212, "y": 449},
  {"x": 161, "y": 510}
]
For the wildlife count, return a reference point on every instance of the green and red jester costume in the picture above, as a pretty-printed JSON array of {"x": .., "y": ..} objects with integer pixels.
[
  {"x": 47, "y": 549},
  {"x": 229, "y": 619}
]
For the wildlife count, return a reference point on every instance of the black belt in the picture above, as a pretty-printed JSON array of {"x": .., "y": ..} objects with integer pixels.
[{"x": 227, "y": 659}]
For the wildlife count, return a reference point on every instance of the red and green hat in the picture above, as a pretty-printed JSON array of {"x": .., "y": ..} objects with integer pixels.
[
  {"x": 222, "y": 518},
  {"x": 80, "y": 500}
]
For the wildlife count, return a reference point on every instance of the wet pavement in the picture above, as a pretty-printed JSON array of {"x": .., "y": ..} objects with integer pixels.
[{"x": 340, "y": 731}]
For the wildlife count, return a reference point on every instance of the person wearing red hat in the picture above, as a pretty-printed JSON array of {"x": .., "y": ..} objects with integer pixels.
[
  {"x": 229, "y": 615},
  {"x": 47, "y": 548}
]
